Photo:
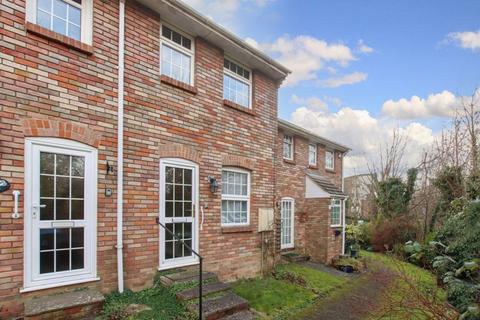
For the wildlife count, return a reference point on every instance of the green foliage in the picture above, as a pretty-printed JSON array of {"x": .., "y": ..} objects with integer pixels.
[
  {"x": 473, "y": 186},
  {"x": 394, "y": 195},
  {"x": 462, "y": 294},
  {"x": 450, "y": 184},
  {"x": 391, "y": 233}
]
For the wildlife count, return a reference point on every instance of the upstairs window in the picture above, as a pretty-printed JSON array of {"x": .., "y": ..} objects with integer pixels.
[
  {"x": 336, "y": 213},
  {"x": 235, "y": 197},
  {"x": 288, "y": 147},
  {"x": 329, "y": 160},
  {"x": 312, "y": 154},
  {"x": 237, "y": 83},
  {"x": 176, "y": 55},
  {"x": 71, "y": 18}
]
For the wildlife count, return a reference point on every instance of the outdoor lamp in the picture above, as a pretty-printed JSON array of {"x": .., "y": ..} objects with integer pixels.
[{"x": 213, "y": 184}]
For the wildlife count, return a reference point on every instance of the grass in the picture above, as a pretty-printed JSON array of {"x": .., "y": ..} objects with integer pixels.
[
  {"x": 400, "y": 292},
  {"x": 281, "y": 298},
  {"x": 161, "y": 301}
]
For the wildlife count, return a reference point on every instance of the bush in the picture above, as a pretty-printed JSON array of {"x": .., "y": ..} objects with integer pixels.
[
  {"x": 390, "y": 233},
  {"x": 461, "y": 294}
]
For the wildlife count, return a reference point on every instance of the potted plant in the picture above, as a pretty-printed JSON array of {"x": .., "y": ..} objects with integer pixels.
[{"x": 354, "y": 249}]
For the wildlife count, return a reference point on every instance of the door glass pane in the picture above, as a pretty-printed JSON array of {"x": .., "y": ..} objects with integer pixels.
[
  {"x": 47, "y": 239},
  {"x": 47, "y": 213},
  {"x": 63, "y": 207},
  {"x": 62, "y": 260},
  {"x": 77, "y": 188},
  {"x": 77, "y": 237},
  {"x": 47, "y": 163},
  {"x": 77, "y": 210},
  {"x": 77, "y": 259},
  {"x": 62, "y": 187},
  {"x": 47, "y": 262},
  {"x": 78, "y": 166},
  {"x": 46, "y": 186},
  {"x": 62, "y": 238}
]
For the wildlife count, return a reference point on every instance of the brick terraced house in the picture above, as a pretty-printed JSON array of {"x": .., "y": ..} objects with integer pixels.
[
  {"x": 309, "y": 193},
  {"x": 116, "y": 113}
]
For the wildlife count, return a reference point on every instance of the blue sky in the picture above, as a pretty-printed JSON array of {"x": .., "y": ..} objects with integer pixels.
[{"x": 354, "y": 61}]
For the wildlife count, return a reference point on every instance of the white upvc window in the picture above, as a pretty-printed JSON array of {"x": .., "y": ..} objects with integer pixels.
[
  {"x": 71, "y": 18},
  {"x": 312, "y": 154},
  {"x": 60, "y": 213},
  {"x": 176, "y": 55},
  {"x": 288, "y": 147},
  {"x": 329, "y": 160},
  {"x": 235, "y": 197},
  {"x": 237, "y": 83},
  {"x": 336, "y": 212}
]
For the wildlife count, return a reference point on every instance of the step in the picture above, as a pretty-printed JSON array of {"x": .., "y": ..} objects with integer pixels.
[
  {"x": 242, "y": 315},
  {"x": 207, "y": 289},
  {"x": 183, "y": 277},
  {"x": 82, "y": 304},
  {"x": 218, "y": 308},
  {"x": 295, "y": 257}
]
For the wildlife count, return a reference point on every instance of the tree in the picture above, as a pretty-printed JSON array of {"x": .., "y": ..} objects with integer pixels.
[{"x": 394, "y": 195}]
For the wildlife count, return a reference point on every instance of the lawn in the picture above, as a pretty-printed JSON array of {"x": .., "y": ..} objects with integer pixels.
[
  {"x": 413, "y": 293},
  {"x": 293, "y": 288}
]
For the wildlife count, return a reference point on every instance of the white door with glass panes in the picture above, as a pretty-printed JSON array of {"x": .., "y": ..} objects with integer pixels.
[
  {"x": 60, "y": 212},
  {"x": 287, "y": 223},
  {"x": 178, "y": 212}
]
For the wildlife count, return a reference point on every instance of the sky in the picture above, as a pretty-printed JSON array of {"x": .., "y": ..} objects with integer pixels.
[{"x": 362, "y": 69}]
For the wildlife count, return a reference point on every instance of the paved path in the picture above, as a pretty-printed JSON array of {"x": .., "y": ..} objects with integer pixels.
[{"x": 354, "y": 303}]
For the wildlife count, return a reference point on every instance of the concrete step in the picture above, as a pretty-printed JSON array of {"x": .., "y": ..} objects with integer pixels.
[
  {"x": 82, "y": 304},
  {"x": 295, "y": 257},
  {"x": 221, "y": 307},
  {"x": 242, "y": 315},
  {"x": 183, "y": 277},
  {"x": 207, "y": 289}
]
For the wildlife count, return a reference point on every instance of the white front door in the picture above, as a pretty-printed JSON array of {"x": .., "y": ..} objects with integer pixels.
[
  {"x": 60, "y": 212},
  {"x": 287, "y": 208},
  {"x": 178, "y": 212}
]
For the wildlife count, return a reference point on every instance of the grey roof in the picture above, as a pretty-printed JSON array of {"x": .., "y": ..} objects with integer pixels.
[
  {"x": 290, "y": 127},
  {"x": 326, "y": 185},
  {"x": 194, "y": 23}
]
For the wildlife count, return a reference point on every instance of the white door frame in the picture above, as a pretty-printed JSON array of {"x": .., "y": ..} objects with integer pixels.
[
  {"x": 178, "y": 262},
  {"x": 33, "y": 280},
  {"x": 292, "y": 220}
]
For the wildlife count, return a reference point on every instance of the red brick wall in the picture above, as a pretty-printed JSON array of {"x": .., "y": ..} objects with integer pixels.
[
  {"x": 42, "y": 79},
  {"x": 311, "y": 215}
]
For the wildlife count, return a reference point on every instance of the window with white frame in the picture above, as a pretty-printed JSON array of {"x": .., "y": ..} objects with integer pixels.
[
  {"x": 235, "y": 197},
  {"x": 329, "y": 160},
  {"x": 176, "y": 55},
  {"x": 336, "y": 212},
  {"x": 237, "y": 83},
  {"x": 71, "y": 18},
  {"x": 312, "y": 154},
  {"x": 288, "y": 147}
]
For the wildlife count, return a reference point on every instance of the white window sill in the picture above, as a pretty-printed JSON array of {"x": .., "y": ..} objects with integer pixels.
[{"x": 59, "y": 284}]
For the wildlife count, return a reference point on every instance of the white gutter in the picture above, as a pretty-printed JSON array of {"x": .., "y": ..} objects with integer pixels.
[
  {"x": 343, "y": 205},
  {"x": 121, "y": 43}
]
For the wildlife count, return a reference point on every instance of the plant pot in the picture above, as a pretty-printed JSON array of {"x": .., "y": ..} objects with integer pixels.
[
  {"x": 353, "y": 253},
  {"x": 347, "y": 269}
]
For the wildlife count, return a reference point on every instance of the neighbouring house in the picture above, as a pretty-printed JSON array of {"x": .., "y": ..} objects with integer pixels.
[
  {"x": 309, "y": 193},
  {"x": 116, "y": 113},
  {"x": 361, "y": 198}
]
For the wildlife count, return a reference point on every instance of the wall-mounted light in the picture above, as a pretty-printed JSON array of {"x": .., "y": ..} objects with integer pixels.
[
  {"x": 4, "y": 185},
  {"x": 213, "y": 184},
  {"x": 109, "y": 168}
]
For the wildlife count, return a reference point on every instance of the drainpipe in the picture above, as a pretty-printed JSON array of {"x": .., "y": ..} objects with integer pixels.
[
  {"x": 343, "y": 207},
  {"x": 121, "y": 42}
]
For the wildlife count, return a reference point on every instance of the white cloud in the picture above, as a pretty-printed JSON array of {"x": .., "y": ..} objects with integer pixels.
[
  {"x": 363, "y": 48},
  {"x": 443, "y": 104},
  {"x": 313, "y": 103},
  {"x": 348, "y": 79},
  {"x": 305, "y": 55},
  {"x": 363, "y": 134},
  {"x": 466, "y": 40}
]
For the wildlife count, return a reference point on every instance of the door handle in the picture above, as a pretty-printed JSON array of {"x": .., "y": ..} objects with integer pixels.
[{"x": 37, "y": 207}]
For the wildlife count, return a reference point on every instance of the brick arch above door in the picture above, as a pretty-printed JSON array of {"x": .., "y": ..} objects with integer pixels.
[
  {"x": 179, "y": 151},
  {"x": 36, "y": 127}
]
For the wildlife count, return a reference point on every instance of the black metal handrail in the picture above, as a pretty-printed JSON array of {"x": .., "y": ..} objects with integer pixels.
[{"x": 200, "y": 275}]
